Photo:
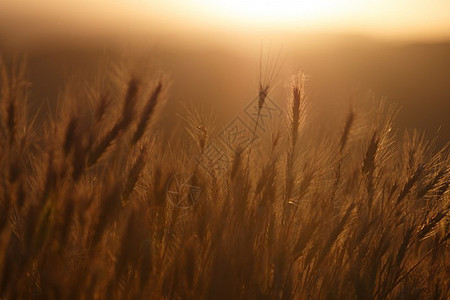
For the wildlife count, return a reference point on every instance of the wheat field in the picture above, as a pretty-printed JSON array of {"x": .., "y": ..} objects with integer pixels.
[{"x": 97, "y": 203}]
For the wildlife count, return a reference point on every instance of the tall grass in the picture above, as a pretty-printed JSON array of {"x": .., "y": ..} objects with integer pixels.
[{"x": 86, "y": 214}]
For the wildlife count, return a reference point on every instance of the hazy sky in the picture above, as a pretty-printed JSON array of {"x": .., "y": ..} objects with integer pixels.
[{"x": 390, "y": 18}]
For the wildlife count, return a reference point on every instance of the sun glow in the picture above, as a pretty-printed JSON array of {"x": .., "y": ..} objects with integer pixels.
[
  {"x": 381, "y": 17},
  {"x": 281, "y": 12},
  {"x": 384, "y": 17}
]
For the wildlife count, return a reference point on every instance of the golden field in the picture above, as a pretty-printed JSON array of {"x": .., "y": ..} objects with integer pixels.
[{"x": 100, "y": 201}]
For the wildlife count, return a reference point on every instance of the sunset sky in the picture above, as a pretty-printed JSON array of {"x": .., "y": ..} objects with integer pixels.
[{"x": 399, "y": 18}]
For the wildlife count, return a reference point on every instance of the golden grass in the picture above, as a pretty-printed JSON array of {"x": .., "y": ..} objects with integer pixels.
[{"x": 86, "y": 214}]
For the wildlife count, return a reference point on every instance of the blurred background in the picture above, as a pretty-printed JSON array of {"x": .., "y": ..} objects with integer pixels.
[{"x": 212, "y": 50}]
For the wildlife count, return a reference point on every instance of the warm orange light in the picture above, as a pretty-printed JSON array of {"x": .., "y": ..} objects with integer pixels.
[
  {"x": 408, "y": 18},
  {"x": 282, "y": 12}
]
